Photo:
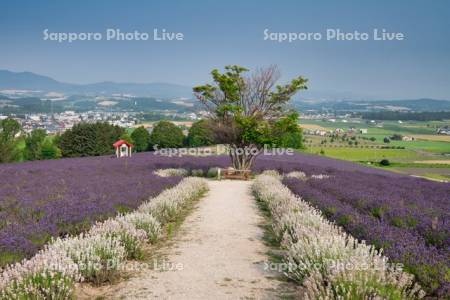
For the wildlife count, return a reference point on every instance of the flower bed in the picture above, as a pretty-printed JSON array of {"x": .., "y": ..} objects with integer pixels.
[
  {"x": 407, "y": 217},
  {"x": 97, "y": 255},
  {"x": 44, "y": 199},
  {"x": 328, "y": 262}
]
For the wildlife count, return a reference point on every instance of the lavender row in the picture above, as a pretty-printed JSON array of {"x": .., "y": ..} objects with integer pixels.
[
  {"x": 44, "y": 199},
  {"x": 428, "y": 263},
  {"x": 419, "y": 205},
  {"x": 416, "y": 207}
]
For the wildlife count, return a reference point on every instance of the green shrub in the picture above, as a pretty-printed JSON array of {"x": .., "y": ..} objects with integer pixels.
[
  {"x": 212, "y": 172},
  {"x": 385, "y": 162},
  {"x": 197, "y": 172}
]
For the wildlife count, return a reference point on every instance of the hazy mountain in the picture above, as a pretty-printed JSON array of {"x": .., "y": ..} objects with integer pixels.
[
  {"x": 310, "y": 100},
  {"x": 412, "y": 105},
  {"x": 31, "y": 81}
]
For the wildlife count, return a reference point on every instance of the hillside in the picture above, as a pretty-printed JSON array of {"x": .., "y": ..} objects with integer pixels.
[{"x": 31, "y": 81}]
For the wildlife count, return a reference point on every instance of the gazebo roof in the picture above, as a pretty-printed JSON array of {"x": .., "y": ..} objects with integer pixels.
[{"x": 121, "y": 142}]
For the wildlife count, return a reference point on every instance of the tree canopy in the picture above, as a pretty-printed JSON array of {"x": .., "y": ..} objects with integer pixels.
[
  {"x": 141, "y": 139},
  {"x": 86, "y": 139},
  {"x": 248, "y": 112},
  {"x": 200, "y": 134},
  {"x": 33, "y": 144},
  {"x": 50, "y": 150},
  {"x": 166, "y": 135},
  {"x": 9, "y": 128}
]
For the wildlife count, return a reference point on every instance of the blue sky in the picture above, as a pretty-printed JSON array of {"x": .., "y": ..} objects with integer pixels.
[{"x": 217, "y": 33}]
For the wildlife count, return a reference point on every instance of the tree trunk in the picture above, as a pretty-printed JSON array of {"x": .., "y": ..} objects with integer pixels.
[{"x": 242, "y": 158}]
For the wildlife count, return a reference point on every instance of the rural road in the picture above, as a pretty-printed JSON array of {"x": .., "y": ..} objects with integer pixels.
[{"x": 217, "y": 254}]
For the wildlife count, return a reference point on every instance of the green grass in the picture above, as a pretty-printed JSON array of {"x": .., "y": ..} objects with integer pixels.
[
  {"x": 7, "y": 258},
  {"x": 402, "y": 160},
  {"x": 419, "y": 165},
  {"x": 389, "y": 127},
  {"x": 438, "y": 177},
  {"x": 364, "y": 154},
  {"x": 431, "y": 146}
]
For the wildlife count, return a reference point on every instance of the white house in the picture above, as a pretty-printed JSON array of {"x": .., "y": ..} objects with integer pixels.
[
  {"x": 320, "y": 132},
  {"x": 407, "y": 138},
  {"x": 443, "y": 130},
  {"x": 363, "y": 130}
]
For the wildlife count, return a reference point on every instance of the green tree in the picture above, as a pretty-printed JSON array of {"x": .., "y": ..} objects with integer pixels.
[
  {"x": 200, "y": 134},
  {"x": 86, "y": 139},
  {"x": 49, "y": 150},
  {"x": 247, "y": 112},
  {"x": 126, "y": 137},
  {"x": 287, "y": 133},
  {"x": 166, "y": 135},
  {"x": 396, "y": 137},
  {"x": 33, "y": 144},
  {"x": 9, "y": 128},
  {"x": 141, "y": 139}
]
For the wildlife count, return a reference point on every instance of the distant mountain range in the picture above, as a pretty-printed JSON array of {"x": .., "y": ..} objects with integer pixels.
[
  {"x": 406, "y": 105},
  {"x": 31, "y": 81},
  {"x": 321, "y": 101}
]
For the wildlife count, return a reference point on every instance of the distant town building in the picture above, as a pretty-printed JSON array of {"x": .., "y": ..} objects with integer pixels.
[
  {"x": 408, "y": 138},
  {"x": 320, "y": 132},
  {"x": 363, "y": 130},
  {"x": 444, "y": 130}
]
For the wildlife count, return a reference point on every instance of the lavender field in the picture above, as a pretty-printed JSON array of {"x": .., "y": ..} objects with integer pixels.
[
  {"x": 42, "y": 199},
  {"x": 407, "y": 217}
]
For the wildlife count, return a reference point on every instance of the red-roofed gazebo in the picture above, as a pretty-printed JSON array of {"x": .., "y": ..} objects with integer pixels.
[{"x": 123, "y": 148}]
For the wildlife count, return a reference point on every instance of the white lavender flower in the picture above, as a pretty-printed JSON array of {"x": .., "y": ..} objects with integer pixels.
[
  {"x": 166, "y": 206},
  {"x": 273, "y": 173},
  {"x": 98, "y": 256},
  {"x": 328, "y": 262},
  {"x": 171, "y": 172},
  {"x": 129, "y": 236},
  {"x": 296, "y": 174},
  {"x": 146, "y": 222},
  {"x": 50, "y": 274}
]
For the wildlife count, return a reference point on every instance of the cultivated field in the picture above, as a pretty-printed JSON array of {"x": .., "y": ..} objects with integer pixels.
[
  {"x": 407, "y": 217},
  {"x": 370, "y": 148}
]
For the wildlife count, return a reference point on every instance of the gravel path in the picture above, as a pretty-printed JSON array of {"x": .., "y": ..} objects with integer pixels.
[{"x": 217, "y": 254}]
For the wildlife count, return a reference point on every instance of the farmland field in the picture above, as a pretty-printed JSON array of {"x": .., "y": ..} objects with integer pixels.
[
  {"x": 363, "y": 154},
  {"x": 370, "y": 148}
]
